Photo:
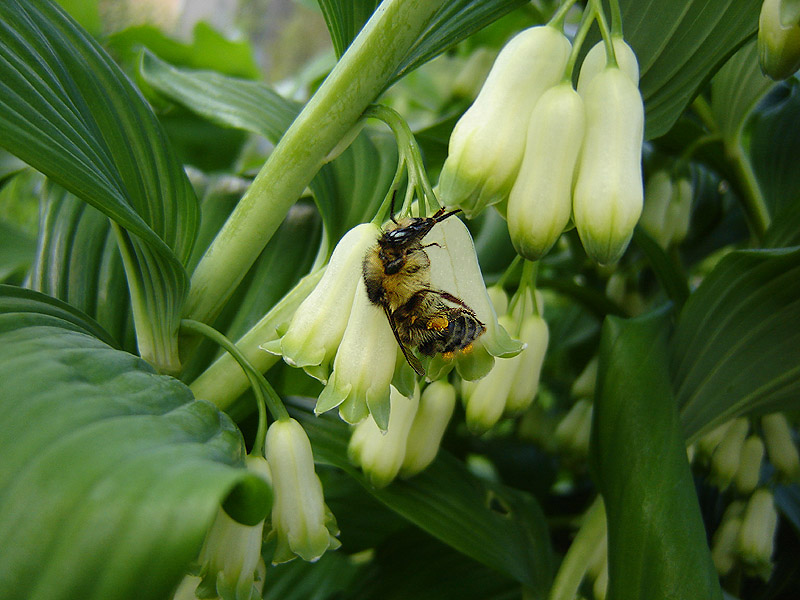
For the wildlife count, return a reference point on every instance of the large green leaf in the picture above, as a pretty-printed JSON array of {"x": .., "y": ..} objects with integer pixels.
[
  {"x": 736, "y": 348},
  {"x": 656, "y": 539},
  {"x": 70, "y": 112},
  {"x": 680, "y": 45},
  {"x": 17, "y": 249},
  {"x": 77, "y": 261},
  {"x": 111, "y": 473},
  {"x": 451, "y": 504},
  {"x": 773, "y": 140},
  {"x": 348, "y": 190}
]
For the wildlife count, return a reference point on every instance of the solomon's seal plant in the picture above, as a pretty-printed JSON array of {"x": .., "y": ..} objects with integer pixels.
[{"x": 196, "y": 375}]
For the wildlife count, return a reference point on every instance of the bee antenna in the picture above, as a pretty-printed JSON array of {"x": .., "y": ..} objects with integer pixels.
[
  {"x": 439, "y": 217},
  {"x": 391, "y": 207}
]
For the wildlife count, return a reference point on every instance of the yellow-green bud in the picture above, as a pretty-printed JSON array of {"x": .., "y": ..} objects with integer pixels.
[
  {"x": 380, "y": 454},
  {"x": 436, "y": 407},
  {"x": 488, "y": 142},
  {"x": 541, "y": 200},
  {"x": 595, "y": 61},
  {"x": 724, "y": 543},
  {"x": 573, "y": 432},
  {"x": 608, "y": 195},
  {"x": 499, "y": 299},
  {"x": 709, "y": 442},
  {"x": 757, "y": 534},
  {"x": 681, "y": 209},
  {"x": 600, "y": 587},
  {"x": 779, "y": 39},
  {"x": 725, "y": 460},
  {"x": 525, "y": 381},
  {"x": 583, "y": 387},
  {"x": 472, "y": 76},
  {"x": 657, "y": 198},
  {"x": 299, "y": 519},
  {"x": 750, "y": 466},
  {"x": 781, "y": 449}
]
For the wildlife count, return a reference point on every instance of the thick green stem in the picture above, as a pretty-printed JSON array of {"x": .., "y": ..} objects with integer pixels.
[
  {"x": 611, "y": 56},
  {"x": 223, "y": 382},
  {"x": 752, "y": 199},
  {"x": 577, "y": 42},
  {"x": 355, "y": 82}
]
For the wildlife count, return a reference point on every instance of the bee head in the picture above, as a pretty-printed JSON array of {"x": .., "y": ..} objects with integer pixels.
[{"x": 407, "y": 232}]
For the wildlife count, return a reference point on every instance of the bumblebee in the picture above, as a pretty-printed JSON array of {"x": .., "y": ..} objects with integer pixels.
[{"x": 397, "y": 278}]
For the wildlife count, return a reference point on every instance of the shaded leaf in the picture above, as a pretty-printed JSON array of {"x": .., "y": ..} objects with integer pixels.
[
  {"x": 656, "y": 539},
  {"x": 111, "y": 474},
  {"x": 16, "y": 253},
  {"x": 680, "y": 45},
  {"x": 736, "y": 348},
  {"x": 77, "y": 261},
  {"x": 67, "y": 110},
  {"x": 454, "y": 506},
  {"x": 345, "y": 20}
]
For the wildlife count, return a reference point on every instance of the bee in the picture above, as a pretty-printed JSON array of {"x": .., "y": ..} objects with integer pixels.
[{"x": 397, "y": 278}]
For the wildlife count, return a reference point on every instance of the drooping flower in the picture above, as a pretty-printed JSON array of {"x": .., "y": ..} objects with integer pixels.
[
  {"x": 756, "y": 539},
  {"x": 779, "y": 39},
  {"x": 455, "y": 269},
  {"x": 364, "y": 365},
  {"x": 380, "y": 454},
  {"x": 317, "y": 327},
  {"x": 231, "y": 563},
  {"x": 488, "y": 142},
  {"x": 435, "y": 409},
  {"x": 301, "y": 523}
]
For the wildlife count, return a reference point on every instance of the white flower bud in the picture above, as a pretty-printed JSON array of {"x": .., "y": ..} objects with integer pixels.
[
  {"x": 657, "y": 198},
  {"x": 231, "y": 554},
  {"x": 725, "y": 460},
  {"x": 299, "y": 519},
  {"x": 364, "y": 365},
  {"x": 779, "y": 39},
  {"x": 709, "y": 441},
  {"x": 380, "y": 454},
  {"x": 781, "y": 449},
  {"x": 596, "y": 60},
  {"x": 723, "y": 546},
  {"x": 435, "y": 410},
  {"x": 319, "y": 322},
  {"x": 584, "y": 385},
  {"x": 749, "y": 470},
  {"x": 525, "y": 381},
  {"x": 488, "y": 142},
  {"x": 573, "y": 432},
  {"x": 540, "y": 203},
  {"x": 608, "y": 195},
  {"x": 757, "y": 534},
  {"x": 681, "y": 209}
]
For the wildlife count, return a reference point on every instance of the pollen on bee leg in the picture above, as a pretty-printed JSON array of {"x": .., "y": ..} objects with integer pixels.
[
  {"x": 438, "y": 323},
  {"x": 447, "y": 355},
  {"x": 467, "y": 349}
]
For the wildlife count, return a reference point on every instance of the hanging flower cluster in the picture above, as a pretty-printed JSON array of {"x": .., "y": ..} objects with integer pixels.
[{"x": 551, "y": 152}]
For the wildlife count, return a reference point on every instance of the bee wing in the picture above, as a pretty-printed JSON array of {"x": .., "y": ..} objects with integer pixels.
[
  {"x": 452, "y": 299},
  {"x": 412, "y": 360}
]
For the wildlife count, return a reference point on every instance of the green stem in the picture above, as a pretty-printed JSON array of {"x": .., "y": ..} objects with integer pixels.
[
  {"x": 611, "y": 56},
  {"x": 357, "y": 79},
  {"x": 577, "y": 42},
  {"x": 616, "y": 19},
  {"x": 257, "y": 382},
  {"x": 576, "y": 561},
  {"x": 752, "y": 199},
  {"x": 223, "y": 382},
  {"x": 558, "y": 17},
  {"x": 507, "y": 273}
]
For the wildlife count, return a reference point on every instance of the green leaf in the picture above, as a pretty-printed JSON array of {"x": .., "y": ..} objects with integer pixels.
[
  {"x": 773, "y": 141},
  {"x": 67, "y": 110},
  {"x": 736, "y": 348},
  {"x": 656, "y": 539},
  {"x": 77, "y": 261},
  {"x": 680, "y": 45},
  {"x": 208, "y": 49},
  {"x": 17, "y": 249},
  {"x": 497, "y": 526},
  {"x": 345, "y": 20},
  {"x": 111, "y": 473},
  {"x": 347, "y": 191},
  {"x": 735, "y": 91}
]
